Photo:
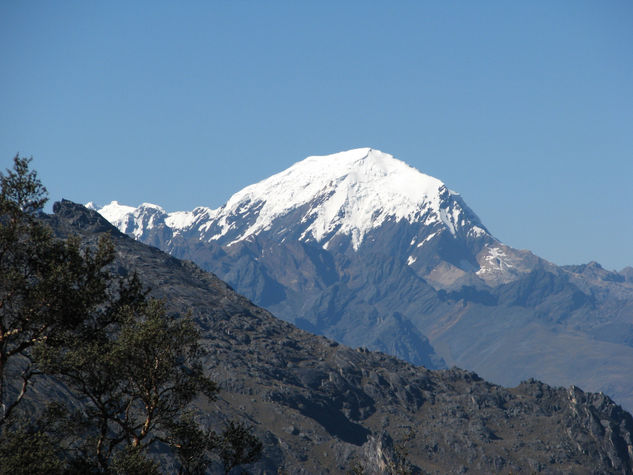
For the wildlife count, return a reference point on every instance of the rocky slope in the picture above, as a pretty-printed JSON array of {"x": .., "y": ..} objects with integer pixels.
[
  {"x": 321, "y": 407},
  {"x": 364, "y": 249}
]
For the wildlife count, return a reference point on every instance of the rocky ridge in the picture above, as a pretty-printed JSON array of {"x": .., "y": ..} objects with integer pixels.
[
  {"x": 321, "y": 407},
  {"x": 419, "y": 277}
]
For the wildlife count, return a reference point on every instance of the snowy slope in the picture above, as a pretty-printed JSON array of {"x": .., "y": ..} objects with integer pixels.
[
  {"x": 347, "y": 193},
  {"x": 130, "y": 220}
]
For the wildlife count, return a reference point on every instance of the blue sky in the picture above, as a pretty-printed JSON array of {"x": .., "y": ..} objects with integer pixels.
[{"x": 525, "y": 108}]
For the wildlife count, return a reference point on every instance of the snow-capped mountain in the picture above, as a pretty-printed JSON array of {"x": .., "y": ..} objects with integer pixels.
[
  {"x": 339, "y": 200},
  {"x": 365, "y": 249},
  {"x": 344, "y": 194}
]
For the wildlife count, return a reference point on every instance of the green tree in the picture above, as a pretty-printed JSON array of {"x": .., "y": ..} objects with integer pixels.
[
  {"x": 47, "y": 285},
  {"x": 135, "y": 376},
  {"x": 236, "y": 445},
  {"x": 27, "y": 448},
  {"x": 132, "y": 369}
]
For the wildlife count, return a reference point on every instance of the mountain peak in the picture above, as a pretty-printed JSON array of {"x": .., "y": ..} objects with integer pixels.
[
  {"x": 346, "y": 193},
  {"x": 131, "y": 220}
]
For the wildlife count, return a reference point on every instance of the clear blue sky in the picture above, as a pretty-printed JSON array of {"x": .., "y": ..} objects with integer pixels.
[{"x": 525, "y": 108}]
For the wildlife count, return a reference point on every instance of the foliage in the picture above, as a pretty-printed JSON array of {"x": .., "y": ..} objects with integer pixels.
[
  {"x": 192, "y": 445},
  {"x": 134, "y": 376},
  {"x": 47, "y": 285},
  {"x": 132, "y": 370},
  {"x": 132, "y": 461},
  {"x": 237, "y": 446},
  {"x": 27, "y": 448}
]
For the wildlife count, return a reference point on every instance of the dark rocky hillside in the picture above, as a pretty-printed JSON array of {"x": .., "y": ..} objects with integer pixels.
[
  {"x": 361, "y": 248},
  {"x": 571, "y": 325},
  {"x": 321, "y": 407}
]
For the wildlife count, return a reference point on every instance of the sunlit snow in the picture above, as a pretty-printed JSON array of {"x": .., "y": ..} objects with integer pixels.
[
  {"x": 426, "y": 239},
  {"x": 180, "y": 219},
  {"x": 347, "y": 193},
  {"x": 117, "y": 213},
  {"x": 497, "y": 260}
]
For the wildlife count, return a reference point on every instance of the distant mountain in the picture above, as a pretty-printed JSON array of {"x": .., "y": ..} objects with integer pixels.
[
  {"x": 339, "y": 202},
  {"x": 362, "y": 248},
  {"x": 321, "y": 407}
]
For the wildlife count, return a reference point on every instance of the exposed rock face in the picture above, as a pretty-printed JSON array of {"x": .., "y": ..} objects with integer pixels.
[
  {"x": 363, "y": 249},
  {"x": 321, "y": 407}
]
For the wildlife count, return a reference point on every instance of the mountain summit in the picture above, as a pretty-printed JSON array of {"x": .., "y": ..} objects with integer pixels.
[
  {"x": 364, "y": 249},
  {"x": 345, "y": 194},
  {"x": 338, "y": 201}
]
